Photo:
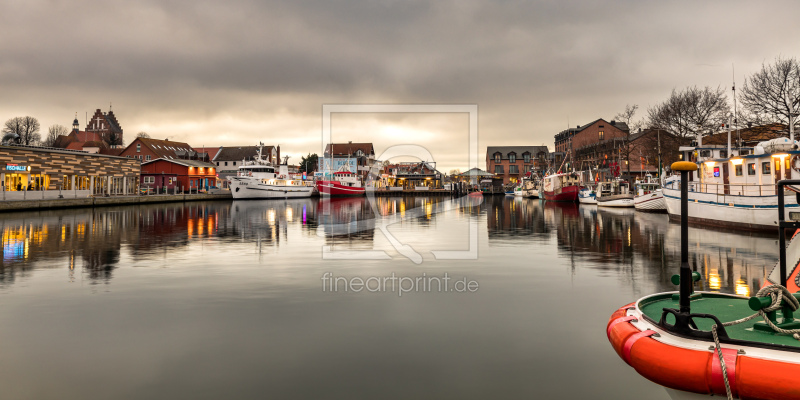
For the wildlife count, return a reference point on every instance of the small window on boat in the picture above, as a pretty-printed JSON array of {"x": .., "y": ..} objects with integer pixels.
[
  {"x": 723, "y": 154},
  {"x": 738, "y": 169},
  {"x": 751, "y": 169},
  {"x": 766, "y": 168}
]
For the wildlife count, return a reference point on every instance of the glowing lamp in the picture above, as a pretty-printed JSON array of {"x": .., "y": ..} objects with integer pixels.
[
  {"x": 781, "y": 156},
  {"x": 737, "y": 161},
  {"x": 710, "y": 164}
]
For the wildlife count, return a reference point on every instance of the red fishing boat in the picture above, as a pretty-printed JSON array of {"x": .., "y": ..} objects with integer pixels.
[
  {"x": 342, "y": 183},
  {"x": 562, "y": 187},
  {"x": 701, "y": 344}
]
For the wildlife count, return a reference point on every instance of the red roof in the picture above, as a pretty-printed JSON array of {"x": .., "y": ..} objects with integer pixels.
[
  {"x": 212, "y": 151},
  {"x": 349, "y": 149},
  {"x": 342, "y": 173}
]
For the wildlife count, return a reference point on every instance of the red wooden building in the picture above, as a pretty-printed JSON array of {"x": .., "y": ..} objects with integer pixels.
[{"x": 186, "y": 175}]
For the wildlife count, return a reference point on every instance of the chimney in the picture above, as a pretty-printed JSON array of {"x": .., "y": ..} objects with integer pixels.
[
  {"x": 613, "y": 122},
  {"x": 350, "y": 142}
]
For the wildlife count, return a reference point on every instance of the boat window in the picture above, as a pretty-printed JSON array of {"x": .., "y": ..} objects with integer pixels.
[
  {"x": 765, "y": 168},
  {"x": 723, "y": 154},
  {"x": 738, "y": 169},
  {"x": 751, "y": 169}
]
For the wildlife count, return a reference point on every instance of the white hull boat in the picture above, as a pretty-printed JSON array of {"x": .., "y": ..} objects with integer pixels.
[
  {"x": 587, "y": 196},
  {"x": 257, "y": 179}
]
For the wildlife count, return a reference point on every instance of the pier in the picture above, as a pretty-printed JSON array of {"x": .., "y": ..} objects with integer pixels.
[{"x": 101, "y": 201}]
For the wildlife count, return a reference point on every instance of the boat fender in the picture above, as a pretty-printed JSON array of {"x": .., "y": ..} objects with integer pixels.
[
  {"x": 716, "y": 380},
  {"x": 628, "y": 346}
]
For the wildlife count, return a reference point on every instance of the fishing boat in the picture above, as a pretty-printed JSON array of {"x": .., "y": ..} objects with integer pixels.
[
  {"x": 697, "y": 344},
  {"x": 614, "y": 194},
  {"x": 649, "y": 197},
  {"x": 258, "y": 179},
  {"x": 737, "y": 187},
  {"x": 562, "y": 187},
  {"x": 340, "y": 183},
  {"x": 588, "y": 195}
]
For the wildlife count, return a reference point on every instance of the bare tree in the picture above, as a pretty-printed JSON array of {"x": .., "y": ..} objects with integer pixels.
[
  {"x": 772, "y": 94},
  {"x": 26, "y": 127},
  {"x": 627, "y": 117},
  {"x": 53, "y": 132},
  {"x": 691, "y": 111},
  {"x": 143, "y": 135}
]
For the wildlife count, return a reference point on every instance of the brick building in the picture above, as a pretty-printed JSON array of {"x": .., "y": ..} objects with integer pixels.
[
  {"x": 103, "y": 134},
  {"x": 591, "y": 134},
  {"x": 147, "y": 149},
  {"x": 511, "y": 163}
]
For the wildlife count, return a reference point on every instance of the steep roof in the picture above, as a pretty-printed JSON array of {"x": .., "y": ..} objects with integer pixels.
[
  {"x": 572, "y": 131},
  {"x": 165, "y": 148},
  {"x": 211, "y": 151},
  {"x": 349, "y": 148},
  {"x": 185, "y": 163},
  {"x": 518, "y": 150},
  {"x": 238, "y": 153}
]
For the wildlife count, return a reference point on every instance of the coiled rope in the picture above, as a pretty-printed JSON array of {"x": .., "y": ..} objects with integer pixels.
[{"x": 778, "y": 294}]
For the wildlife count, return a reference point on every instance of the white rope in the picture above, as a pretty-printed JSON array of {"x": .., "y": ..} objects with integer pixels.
[{"x": 777, "y": 293}]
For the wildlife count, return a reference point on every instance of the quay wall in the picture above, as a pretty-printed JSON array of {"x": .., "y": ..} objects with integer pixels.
[{"x": 106, "y": 201}]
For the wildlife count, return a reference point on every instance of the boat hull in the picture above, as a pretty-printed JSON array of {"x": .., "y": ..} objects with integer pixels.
[
  {"x": 249, "y": 188},
  {"x": 687, "y": 368},
  {"x": 651, "y": 202},
  {"x": 617, "y": 200},
  {"x": 568, "y": 194},
  {"x": 336, "y": 189},
  {"x": 743, "y": 212}
]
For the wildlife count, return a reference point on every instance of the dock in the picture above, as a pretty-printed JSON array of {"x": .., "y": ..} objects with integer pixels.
[{"x": 102, "y": 201}]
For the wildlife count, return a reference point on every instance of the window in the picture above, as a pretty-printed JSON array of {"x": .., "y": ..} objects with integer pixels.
[
  {"x": 765, "y": 168},
  {"x": 234, "y": 163},
  {"x": 359, "y": 153},
  {"x": 526, "y": 157},
  {"x": 512, "y": 157},
  {"x": 148, "y": 180},
  {"x": 601, "y": 135},
  {"x": 723, "y": 154},
  {"x": 496, "y": 157},
  {"x": 138, "y": 147},
  {"x": 147, "y": 157},
  {"x": 751, "y": 169},
  {"x": 738, "y": 169},
  {"x": 498, "y": 169},
  {"x": 226, "y": 163},
  {"x": 513, "y": 169}
]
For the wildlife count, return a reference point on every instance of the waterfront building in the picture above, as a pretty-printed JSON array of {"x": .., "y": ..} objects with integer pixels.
[
  {"x": 631, "y": 156},
  {"x": 228, "y": 159},
  {"x": 412, "y": 176},
  {"x": 167, "y": 174},
  {"x": 45, "y": 172},
  {"x": 148, "y": 149},
  {"x": 593, "y": 133},
  {"x": 338, "y": 155},
  {"x": 512, "y": 163}
]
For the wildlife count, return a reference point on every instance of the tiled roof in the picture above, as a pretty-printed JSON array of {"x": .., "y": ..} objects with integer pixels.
[
  {"x": 750, "y": 136},
  {"x": 349, "y": 149},
  {"x": 185, "y": 163},
  {"x": 166, "y": 148},
  {"x": 211, "y": 151},
  {"x": 238, "y": 153}
]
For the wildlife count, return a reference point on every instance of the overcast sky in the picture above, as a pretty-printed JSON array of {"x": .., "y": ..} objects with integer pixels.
[{"x": 238, "y": 72}]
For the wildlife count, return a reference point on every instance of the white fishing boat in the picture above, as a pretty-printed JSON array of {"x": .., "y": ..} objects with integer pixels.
[
  {"x": 649, "y": 197},
  {"x": 259, "y": 179},
  {"x": 614, "y": 194},
  {"x": 588, "y": 195},
  {"x": 737, "y": 188}
]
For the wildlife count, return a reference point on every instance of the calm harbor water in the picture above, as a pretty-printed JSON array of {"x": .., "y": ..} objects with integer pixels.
[{"x": 228, "y": 299}]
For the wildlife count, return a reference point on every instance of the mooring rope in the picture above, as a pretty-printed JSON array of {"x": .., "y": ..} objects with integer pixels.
[{"x": 777, "y": 293}]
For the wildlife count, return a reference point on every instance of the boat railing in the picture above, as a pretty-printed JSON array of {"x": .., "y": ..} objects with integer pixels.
[{"x": 729, "y": 189}]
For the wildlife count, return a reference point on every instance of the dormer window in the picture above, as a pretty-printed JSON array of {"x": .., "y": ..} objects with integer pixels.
[
  {"x": 359, "y": 153},
  {"x": 497, "y": 157},
  {"x": 512, "y": 157},
  {"x": 527, "y": 157}
]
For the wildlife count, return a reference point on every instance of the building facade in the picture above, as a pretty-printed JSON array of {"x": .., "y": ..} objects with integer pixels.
[
  {"x": 148, "y": 149},
  {"x": 65, "y": 173},
  {"x": 102, "y": 134},
  {"x": 512, "y": 163},
  {"x": 363, "y": 153},
  {"x": 185, "y": 175},
  {"x": 597, "y": 132},
  {"x": 228, "y": 159}
]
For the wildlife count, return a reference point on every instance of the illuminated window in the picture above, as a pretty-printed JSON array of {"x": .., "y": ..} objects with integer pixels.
[
  {"x": 766, "y": 168},
  {"x": 497, "y": 157},
  {"x": 751, "y": 169},
  {"x": 601, "y": 135}
]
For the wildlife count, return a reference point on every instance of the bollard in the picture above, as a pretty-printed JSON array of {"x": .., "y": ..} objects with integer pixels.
[{"x": 686, "y": 278}]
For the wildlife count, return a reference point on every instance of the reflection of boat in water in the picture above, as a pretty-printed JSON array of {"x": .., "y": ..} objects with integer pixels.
[{"x": 345, "y": 216}]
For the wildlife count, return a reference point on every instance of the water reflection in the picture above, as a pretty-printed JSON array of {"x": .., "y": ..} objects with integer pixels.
[{"x": 515, "y": 218}]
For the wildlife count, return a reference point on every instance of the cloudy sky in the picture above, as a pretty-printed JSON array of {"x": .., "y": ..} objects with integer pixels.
[{"x": 238, "y": 72}]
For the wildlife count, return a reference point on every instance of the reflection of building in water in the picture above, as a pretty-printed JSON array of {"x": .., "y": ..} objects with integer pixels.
[
  {"x": 648, "y": 247},
  {"x": 346, "y": 220},
  {"x": 89, "y": 238},
  {"x": 515, "y": 217}
]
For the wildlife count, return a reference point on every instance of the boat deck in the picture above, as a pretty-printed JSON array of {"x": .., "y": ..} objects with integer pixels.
[{"x": 726, "y": 308}]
